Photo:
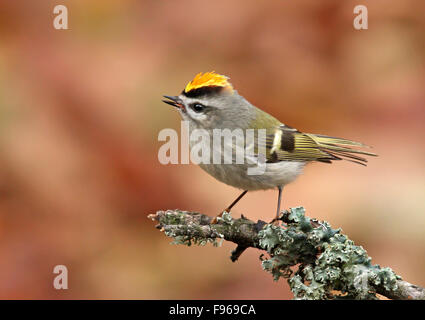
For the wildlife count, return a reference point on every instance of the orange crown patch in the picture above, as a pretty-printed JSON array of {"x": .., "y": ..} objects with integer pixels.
[{"x": 208, "y": 79}]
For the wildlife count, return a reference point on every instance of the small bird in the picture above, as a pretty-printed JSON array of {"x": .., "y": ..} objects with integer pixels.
[{"x": 210, "y": 102}]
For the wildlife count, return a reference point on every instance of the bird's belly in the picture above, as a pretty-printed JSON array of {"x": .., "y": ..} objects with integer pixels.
[{"x": 236, "y": 175}]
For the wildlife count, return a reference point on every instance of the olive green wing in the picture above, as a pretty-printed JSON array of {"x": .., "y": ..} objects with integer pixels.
[{"x": 288, "y": 144}]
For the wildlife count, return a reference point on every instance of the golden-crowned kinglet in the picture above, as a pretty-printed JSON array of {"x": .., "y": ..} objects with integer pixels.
[{"x": 209, "y": 103}]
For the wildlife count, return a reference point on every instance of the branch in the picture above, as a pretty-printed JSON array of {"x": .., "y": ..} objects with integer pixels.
[{"x": 327, "y": 264}]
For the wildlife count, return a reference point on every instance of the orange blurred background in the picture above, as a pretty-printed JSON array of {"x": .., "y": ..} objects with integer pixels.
[{"x": 80, "y": 113}]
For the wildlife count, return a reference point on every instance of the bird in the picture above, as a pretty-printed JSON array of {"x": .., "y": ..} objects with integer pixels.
[{"x": 209, "y": 102}]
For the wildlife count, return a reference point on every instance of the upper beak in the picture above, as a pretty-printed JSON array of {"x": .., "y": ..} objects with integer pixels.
[{"x": 174, "y": 101}]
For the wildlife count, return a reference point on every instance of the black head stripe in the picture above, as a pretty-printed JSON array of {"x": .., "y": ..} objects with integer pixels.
[{"x": 196, "y": 93}]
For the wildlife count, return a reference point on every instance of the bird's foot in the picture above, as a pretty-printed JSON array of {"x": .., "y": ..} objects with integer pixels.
[
  {"x": 215, "y": 220},
  {"x": 275, "y": 222}
]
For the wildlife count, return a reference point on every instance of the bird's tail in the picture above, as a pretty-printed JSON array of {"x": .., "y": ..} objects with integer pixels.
[{"x": 342, "y": 149}]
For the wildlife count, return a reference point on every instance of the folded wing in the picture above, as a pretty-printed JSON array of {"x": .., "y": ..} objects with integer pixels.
[{"x": 288, "y": 144}]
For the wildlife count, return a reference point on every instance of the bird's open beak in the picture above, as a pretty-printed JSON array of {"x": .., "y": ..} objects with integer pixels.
[{"x": 174, "y": 101}]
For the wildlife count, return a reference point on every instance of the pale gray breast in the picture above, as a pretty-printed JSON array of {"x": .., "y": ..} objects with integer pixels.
[{"x": 276, "y": 174}]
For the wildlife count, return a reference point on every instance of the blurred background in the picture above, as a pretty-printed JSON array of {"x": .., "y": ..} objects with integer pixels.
[{"x": 80, "y": 113}]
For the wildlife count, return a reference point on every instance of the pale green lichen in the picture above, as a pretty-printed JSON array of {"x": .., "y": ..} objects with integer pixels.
[
  {"x": 318, "y": 262},
  {"x": 330, "y": 265},
  {"x": 179, "y": 218},
  {"x": 198, "y": 241}
]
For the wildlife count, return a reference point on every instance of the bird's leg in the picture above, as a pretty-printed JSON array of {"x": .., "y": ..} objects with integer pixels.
[
  {"x": 214, "y": 221},
  {"x": 275, "y": 221},
  {"x": 280, "y": 188}
]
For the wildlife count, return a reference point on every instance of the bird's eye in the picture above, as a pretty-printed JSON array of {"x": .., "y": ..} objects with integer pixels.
[{"x": 197, "y": 107}]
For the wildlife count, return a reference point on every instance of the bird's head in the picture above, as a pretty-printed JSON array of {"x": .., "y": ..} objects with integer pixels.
[{"x": 209, "y": 102}]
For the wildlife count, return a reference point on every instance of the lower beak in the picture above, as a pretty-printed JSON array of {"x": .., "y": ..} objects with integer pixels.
[{"x": 174, "y": 101}]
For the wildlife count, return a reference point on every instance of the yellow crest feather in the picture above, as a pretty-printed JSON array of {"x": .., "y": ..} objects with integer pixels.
[{"x": 208, "y": 79}]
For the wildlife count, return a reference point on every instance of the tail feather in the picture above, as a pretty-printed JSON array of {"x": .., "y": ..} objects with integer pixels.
[
  {"x": 340, "y": 141},
  {"x": 339, "y": 150}
]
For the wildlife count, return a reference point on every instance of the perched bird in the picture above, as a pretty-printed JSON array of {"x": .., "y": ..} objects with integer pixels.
[{"x": 209, "y": 102}]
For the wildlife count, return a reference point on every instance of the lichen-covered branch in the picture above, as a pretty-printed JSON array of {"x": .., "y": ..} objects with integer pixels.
[{"x": 318, "y": 262}]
